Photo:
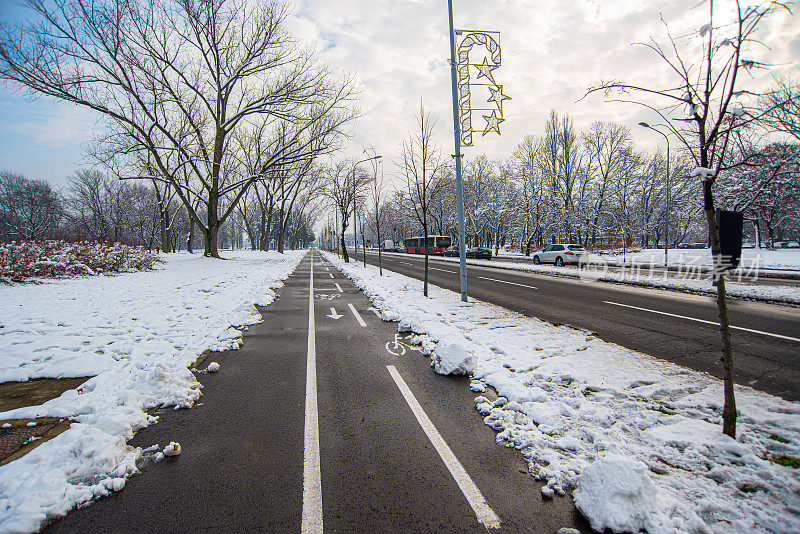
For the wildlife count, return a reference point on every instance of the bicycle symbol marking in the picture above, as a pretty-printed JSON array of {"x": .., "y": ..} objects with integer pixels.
[
  {"x": 328, "y": 296},
  {"x": 398, "y": 347}
]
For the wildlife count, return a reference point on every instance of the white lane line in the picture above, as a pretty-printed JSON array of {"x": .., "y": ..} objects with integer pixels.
[
  {"x": 789, "y": 338},
  {"x": 358, "y": 317},
  {"x": 507, "y": 282},
  {"x": 330, "y": 274},
  {"x": 443, "y": 270},
  {"x": 312, "y": 476},
  {"x": 338, "y": 287},
  {"x": 406, "y": 263},
  {"x": 486, "y": 515}
]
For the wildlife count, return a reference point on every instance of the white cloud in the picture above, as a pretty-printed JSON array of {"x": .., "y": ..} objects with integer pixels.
[{"x": 552, "y": 52}]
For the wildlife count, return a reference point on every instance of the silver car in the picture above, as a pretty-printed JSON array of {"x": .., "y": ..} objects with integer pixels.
[{"x": 560, "y": 254}]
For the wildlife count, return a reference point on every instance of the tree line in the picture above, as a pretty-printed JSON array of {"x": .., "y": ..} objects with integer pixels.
[{"x": 213, "y": 105}]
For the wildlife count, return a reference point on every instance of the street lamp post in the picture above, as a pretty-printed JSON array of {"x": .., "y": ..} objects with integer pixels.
[
  {"x": 355, "y": 217},
  {"x": 666, "y": 214}
]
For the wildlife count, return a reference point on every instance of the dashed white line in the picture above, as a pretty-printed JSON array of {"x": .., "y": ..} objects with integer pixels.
[
  {"x": 358, "y": 316},
  {"x": 485, "y": 514},
  {"x": 312, "y": 477},
  {"x": 338, "y": 287},
  {"x": 330, "y": 274},
  {"x": 443, "y": 270},
  {"x": 507, "y": 282},
  {"x": 779, "y": 336}
]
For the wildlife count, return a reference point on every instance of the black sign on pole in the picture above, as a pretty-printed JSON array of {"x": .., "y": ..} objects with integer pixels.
[{"x": 730, "y": 235}]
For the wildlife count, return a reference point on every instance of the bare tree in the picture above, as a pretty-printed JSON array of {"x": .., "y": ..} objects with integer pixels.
[
  {"x": 29, "y": 209},
  {"x": 344, "y": 186},
  {"x": 376, "y": 190},
  {"x": 782, "y": 107},
  {"x": 179, "y": 77},
  {"x": 707, "y": 91},
  {"x": 422, "y": 166}
]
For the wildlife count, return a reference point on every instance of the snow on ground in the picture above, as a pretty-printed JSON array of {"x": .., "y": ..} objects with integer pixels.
[
  {"x": 781, "y": 259},
  {"x": 640, "y": 438},
  {"x": 641, "y": 277},
  {"x": 136, "y": 334}
]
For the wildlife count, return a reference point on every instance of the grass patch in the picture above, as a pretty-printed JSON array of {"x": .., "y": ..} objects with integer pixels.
[
  {"x": 34, "y": 392},
  {"x": 787, "y": 461},
  {"x": 779, "y": 439}
]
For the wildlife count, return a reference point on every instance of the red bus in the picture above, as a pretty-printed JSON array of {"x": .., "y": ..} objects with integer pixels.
[{"x": 436, "y": 244}]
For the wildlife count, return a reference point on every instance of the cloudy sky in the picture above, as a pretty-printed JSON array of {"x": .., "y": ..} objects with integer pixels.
[{"x": 398, "y": 51}]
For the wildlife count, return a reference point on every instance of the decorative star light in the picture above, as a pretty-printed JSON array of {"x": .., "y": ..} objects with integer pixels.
[
  {"x": 488, "y": 45},
  {"x": 492, "y": 123},
  {"x": 485, "y": 70},
  {"x": 498, "y": 97}
]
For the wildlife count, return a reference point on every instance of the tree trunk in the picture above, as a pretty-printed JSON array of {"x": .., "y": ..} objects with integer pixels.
[
  {"x": 425, "y": 248},
  {"x": 212, "y": 229},
  {"x": 190, "y": 238},
  {"x": 729, "y": 410},
  {"x": 344, "y": 248},
  {"x": 380, "y": 246}
]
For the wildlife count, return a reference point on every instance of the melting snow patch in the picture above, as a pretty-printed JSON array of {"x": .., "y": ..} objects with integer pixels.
[{"x": 213, "y": 367}]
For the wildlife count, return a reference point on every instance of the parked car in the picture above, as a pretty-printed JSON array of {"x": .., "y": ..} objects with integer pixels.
[
  {"x": 451, "y": 251},
  {"x": 479, "y": 253},
  {"x": 559, "y": 254},
  {"x": 787, "y": 244}
]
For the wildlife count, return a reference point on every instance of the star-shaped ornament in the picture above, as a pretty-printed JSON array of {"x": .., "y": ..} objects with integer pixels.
[
  {"x": 498, "y": 97},
  {"x": 485, "y": 70},
  {"x": 492, "y": 123}
]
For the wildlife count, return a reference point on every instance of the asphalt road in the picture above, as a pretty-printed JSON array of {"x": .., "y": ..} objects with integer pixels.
[
  {"x": 248, "y": 462},
  {"x": 681, "y": 328},
  {"x": 765, "y": 277}
]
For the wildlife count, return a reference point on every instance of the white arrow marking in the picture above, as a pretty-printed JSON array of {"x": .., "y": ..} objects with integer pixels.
[
  {"x": 358, "y": 316},
  {"x": 334, "y": 315},
  {"x": 375, "y": 311}
]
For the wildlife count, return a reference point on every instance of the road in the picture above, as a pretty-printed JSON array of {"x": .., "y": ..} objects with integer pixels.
[
  {"x": 765, "y": 277},
  {"x": 681, "y": 328},
  {"x": 322, "y": 420}
]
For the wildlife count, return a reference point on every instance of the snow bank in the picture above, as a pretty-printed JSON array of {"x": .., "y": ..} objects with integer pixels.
[
  {"x": 571, "y": 403},
  {"x": 136, "y": 334}
]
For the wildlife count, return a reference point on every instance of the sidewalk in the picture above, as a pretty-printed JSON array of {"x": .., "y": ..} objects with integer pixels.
[{"x": 242, "y": 465}]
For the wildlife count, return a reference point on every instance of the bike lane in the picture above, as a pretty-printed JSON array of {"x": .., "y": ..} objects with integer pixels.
[{"x": 381, "y": 469}]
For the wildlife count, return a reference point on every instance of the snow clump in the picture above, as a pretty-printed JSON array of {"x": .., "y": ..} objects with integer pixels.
[
  {"x": 173, "y": 449},
  {"x": 452, "y": 359},
  {"x": 213, "y": 367}
]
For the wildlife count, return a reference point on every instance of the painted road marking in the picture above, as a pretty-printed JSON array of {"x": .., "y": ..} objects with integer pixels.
[
  {"x": 358, "y": 317},
  {"x": 443, "y": 270},
  {"x": 375, "y": 311},
  {"x": 506, "y": 282},
  {"x": 406, "y": 263},
  {"x": 312, "y": 476},
  {"x": 330, "y": 274},
  {"x": 334, "y": 315},
  {"x": 789, "y": 338},
  {"x": 485, "y": 514},
  {"x": 338, "y": 287}
]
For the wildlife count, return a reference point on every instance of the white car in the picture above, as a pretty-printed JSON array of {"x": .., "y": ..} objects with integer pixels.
[{"x": 560, "y": 254}]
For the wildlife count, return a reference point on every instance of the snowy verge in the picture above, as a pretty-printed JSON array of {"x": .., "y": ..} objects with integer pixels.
[
  {"x": 136, "y": 334},
  {"x": 645, "y": 433}
]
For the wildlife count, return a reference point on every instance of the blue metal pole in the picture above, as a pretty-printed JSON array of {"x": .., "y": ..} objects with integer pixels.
[{"x": 457, "y": 136}]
